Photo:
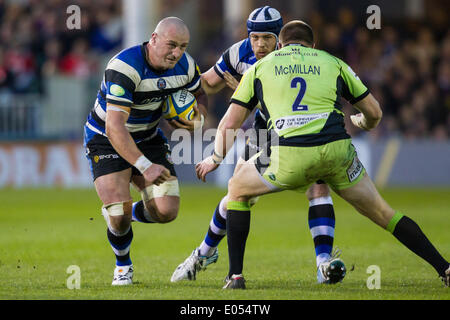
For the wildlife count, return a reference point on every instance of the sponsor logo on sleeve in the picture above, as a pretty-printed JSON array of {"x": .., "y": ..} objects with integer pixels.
[{"x": 117, "y": 90}]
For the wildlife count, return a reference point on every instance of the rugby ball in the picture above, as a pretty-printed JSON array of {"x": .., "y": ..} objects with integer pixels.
[{"x": 179, "y": 104}]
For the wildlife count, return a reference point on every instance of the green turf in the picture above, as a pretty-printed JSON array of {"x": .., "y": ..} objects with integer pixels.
[{"x": 44, "y": 231}]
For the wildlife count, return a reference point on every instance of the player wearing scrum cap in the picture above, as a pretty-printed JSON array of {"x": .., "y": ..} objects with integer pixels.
[
  {"x": 123, "y": 142},
  {"x": 263, "y": 26}
]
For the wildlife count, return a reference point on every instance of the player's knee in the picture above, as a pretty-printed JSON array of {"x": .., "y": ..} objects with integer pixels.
[
  {"x": 168, "y": 188},
  {"x": 162, "y": 202},
  {"x": 235, "y": 191},
  {"x": 318, "y": 191},
  {"x": 168, "y": 213},
  {"x": 163, "y": 209},
  {"x": 120, "y": 224},
  {"x": 118, "y": 216}
]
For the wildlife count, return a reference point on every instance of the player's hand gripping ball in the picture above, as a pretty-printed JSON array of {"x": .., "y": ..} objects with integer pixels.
[{"x": 179, "y": 105}]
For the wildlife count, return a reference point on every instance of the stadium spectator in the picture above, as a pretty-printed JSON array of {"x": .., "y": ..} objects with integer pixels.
[
  {"x": 51, "y": 57},
  {"x": 21, "y": 63},
  {"x": 5, "y": 74},
  {"x": 77, "y": 62},
  {"x": 107, "y": 33}
]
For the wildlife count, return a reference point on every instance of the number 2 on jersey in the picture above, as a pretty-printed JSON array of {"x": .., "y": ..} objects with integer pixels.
[{"x": 297, "y": 106}]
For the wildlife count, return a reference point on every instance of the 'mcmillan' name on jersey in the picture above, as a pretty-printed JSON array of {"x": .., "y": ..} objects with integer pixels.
[{"x": 297, "y": 69}]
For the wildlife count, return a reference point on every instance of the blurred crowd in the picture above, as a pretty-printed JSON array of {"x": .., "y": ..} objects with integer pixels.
[
  {"x": 35, "y": 40},
  {"x": 406, "y": 64},
  {"x": 406, "y": 67}
]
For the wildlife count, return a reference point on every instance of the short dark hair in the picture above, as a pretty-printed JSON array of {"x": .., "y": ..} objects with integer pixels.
[{"x": 295, "y": 31}]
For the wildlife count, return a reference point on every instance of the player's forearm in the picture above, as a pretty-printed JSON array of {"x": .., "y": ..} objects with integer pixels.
[
  {"x": 224, "y": 141},
  {"x": 211, "y": 82},
  {"x": 371, "y": 110},
  {"x": 202, "y": 102},
  {"x": 222, "y": 144},
  {"x": 211, "y": 89},
  {"x": 372, "y": 121},
  {"x": 122, "y": 141},
  {"x": 227, "y": 129}
]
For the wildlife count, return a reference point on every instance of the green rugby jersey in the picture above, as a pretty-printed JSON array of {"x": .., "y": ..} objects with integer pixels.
[{"x": 299, "y": 90}]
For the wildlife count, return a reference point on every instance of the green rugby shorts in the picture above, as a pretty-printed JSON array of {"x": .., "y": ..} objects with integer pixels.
[{"x": 296, "y": 168}]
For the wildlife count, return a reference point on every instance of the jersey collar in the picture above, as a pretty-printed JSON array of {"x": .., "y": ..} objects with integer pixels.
[{"x": 296, "y": 44}]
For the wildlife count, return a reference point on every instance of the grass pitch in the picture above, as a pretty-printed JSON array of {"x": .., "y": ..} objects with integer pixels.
[{"x": 44, "y": 231}]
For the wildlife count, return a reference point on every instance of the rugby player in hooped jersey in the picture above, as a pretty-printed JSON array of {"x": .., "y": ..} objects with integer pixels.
[
  {"x": 123, "y": 142},
  {"x": 263, "y": 26}
]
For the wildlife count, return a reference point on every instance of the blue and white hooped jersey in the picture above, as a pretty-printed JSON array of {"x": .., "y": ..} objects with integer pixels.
[
  {"x": 130, "y": 81},
  {"x": 236, "y": 60}
]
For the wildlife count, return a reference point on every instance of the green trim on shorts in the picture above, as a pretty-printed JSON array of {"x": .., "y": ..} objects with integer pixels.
[
  {"x": 238, "y": 205},
  {"x": 393, "y": 223}
]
